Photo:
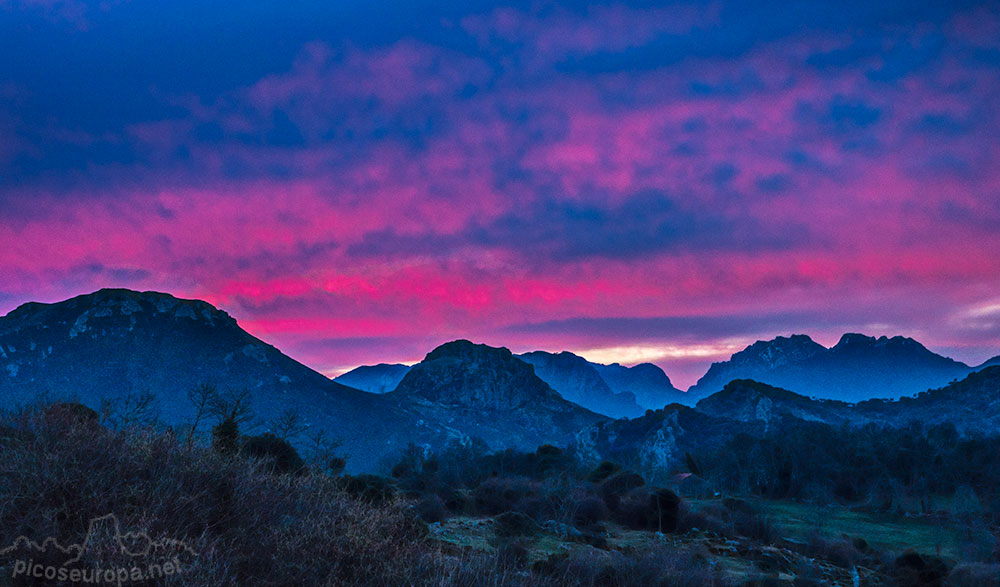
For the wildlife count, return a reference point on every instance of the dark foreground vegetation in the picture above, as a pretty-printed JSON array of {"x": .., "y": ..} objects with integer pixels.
[{"x": 252, "y": 510}]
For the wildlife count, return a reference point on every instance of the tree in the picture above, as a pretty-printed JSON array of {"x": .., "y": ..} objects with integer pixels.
[
  {"x": 201, "y": 397},
  {"x": 322, "y": 453},
  {"x": 128, "y": 410},
  {"x": 232, "y": 405},
  {"x": 288, "y": 425}
]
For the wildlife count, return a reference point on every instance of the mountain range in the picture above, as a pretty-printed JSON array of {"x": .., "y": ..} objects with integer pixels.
[
  {"x": 857, "y": 368},
  {"x": 113, "y": 343},
  {"x": 612, "y": 390}
]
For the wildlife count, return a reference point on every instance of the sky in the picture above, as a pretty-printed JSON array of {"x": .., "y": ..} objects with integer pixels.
[{"x": 358, "y": 182}]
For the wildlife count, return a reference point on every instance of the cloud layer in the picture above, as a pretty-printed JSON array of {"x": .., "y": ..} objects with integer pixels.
[{"x": 361, "y": 184}]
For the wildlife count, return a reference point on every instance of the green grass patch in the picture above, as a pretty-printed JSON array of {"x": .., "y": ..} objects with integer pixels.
[{"x": 883, "y": 531}]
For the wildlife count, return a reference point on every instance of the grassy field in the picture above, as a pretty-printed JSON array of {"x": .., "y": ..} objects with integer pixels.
[{"x": 895, "y": 533}]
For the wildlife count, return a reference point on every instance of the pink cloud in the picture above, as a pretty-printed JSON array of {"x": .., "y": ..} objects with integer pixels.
[{"x": 851, "y": 212}]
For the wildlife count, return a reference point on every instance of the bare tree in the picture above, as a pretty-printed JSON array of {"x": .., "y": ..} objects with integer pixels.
[
  {"x": 128, "y": 410},
  {"x": 231, "y": 405},
  {"x": 202, "y": 398},
  {"x": 322, "y": 452},
  {"x": 288, "y": 425}
]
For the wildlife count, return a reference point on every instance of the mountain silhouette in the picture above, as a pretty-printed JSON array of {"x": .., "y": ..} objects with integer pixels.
[
  {"x": 381, "y": 378},
  {"x": 857, "y": 368},
  {"x": 579, "y": 382}
]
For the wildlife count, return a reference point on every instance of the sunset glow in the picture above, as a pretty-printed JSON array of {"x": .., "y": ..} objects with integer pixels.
[{"x": 630, "y": 183}]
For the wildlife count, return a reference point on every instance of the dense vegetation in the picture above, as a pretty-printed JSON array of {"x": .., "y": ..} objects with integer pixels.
[
  {"x": 907, "y": 469},
  {"x": 253, "y": 510}
]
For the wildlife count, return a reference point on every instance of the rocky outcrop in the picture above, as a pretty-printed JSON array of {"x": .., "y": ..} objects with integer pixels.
[{"x": 487, "y": 392}]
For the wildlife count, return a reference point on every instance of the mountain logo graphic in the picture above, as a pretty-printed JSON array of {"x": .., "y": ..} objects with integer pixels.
[{"x": 133, "y": 544}]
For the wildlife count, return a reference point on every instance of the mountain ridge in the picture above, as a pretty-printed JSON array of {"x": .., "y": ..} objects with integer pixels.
[{"x": 857, "y": 368}]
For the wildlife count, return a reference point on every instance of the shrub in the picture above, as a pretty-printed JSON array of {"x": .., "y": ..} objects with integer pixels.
[
  {"x": 370, "y": 488},
  {"x": 71, "y": 413},
  {"x": 841, "y": 552},
  {"x": 614, "y": 487},
  {"x": 498, "y": 494},
  {"x": 708, "y": 518},
  {"x": 337, "y": 465},
  {"x": 664, "y": 505},
  {"x": 431, "y": 509},
  {"x": 603, "y": 471},
  {"x": 589, "y": 511},
  {"x": 510, "y": 524},
  {"x": 642, "y": 509},
  {"x": 549, "y": 458},
  {"x": 226, "y": 437},
  {"x": 918, "y": 570},
  {"x": 277, "y": 452},
  {"x": 455, "y": 501}
]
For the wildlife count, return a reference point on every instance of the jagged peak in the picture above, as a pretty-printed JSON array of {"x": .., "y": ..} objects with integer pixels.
[
  {"x": 856, "y": 340},
  {"x": 779, "y": 350}
]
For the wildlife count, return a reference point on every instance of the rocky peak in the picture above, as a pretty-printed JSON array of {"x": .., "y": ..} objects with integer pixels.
[
  {"x": 651, "y": 372},
  {"x": 855, "y": 339},
  {"x": 111, "y": 308},
  {"x": 476, "y": 375},
  {"x": 779, "y": 351},
  {"x": 860, "y": 343}
]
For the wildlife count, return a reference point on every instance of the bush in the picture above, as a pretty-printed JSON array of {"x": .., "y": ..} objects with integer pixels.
[
  {"x": 71, "y": 413},
  {"x": 913, "y": 569},
  {"x": 498, "y": 494},
  {"x": 277, "y": 452},
  {"x": 842, "y": 552},
  {"x": 510, "y": 524},
  {"x": 589, "y": 511},
  {"x": 614, "y": 487},
  {"x": 656, "y": 510},
  {"x": 337, "y": 465},
  {"x": 455, "y": 501},
  {"x": 603, "y": 471},
  {"x": 226, "y": 437},
  {"x": 708, "y": 518},
  {"x": 431, "y": 509},
  {"x": 370, "y": 488}
]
